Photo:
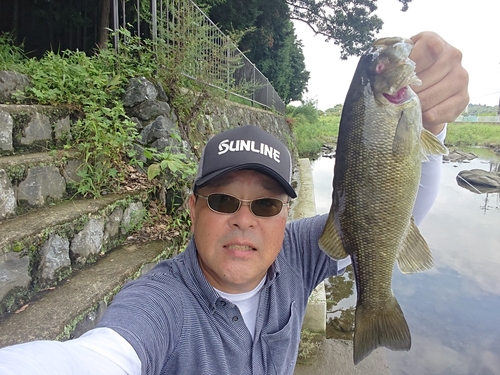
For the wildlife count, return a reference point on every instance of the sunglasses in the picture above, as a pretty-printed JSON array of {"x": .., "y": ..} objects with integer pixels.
[{"x": 227, "y": 204}]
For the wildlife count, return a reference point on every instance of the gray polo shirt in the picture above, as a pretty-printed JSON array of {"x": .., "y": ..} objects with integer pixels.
[{"x": 178, "y": 324}]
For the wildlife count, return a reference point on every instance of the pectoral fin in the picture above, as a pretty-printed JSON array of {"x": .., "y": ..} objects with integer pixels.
[
  {"x": 431, "y": 145},
  {"x": 330, "y": 241},
  {"x": 402, "y": 138},
  {"x": 414, "y": 254}
]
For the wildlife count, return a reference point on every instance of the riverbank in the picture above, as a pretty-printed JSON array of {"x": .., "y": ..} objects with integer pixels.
[{"x": 313, "y": 130}]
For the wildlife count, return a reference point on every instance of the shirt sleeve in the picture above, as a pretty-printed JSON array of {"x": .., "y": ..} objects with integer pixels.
[
  {"x": 429, "y": 184},
  {"x": 99, "y": 351},
  {"x": 303, "y": 251}
]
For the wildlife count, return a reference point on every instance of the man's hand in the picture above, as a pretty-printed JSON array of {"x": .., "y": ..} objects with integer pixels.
[{"x": 443, "y": 93}]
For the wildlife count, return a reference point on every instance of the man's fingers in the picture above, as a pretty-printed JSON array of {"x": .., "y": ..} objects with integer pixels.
[
  {"x": 428, "y": 49},
  {"x": 441, "y": 69},
  {"x": 446, "y": 111},
  {"x": 436, "y": 89},
  {"x": 443, "y": 94}
]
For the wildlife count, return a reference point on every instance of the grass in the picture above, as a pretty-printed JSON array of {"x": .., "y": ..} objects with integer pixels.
[
  {"x": 312, "y": 135},
  {"x": 473, "y": 134}
]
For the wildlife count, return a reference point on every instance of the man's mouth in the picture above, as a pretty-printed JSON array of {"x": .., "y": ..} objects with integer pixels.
[{"x": 240, "y": 247}]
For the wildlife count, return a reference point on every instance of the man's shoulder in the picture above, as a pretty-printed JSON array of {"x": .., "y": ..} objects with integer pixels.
[{"x": 169, "y": 271}]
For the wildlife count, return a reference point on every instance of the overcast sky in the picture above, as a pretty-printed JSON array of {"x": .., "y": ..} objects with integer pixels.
[{"x": 471, "y": 26}]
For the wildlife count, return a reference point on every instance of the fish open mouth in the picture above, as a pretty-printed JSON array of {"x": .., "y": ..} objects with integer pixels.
[{"x": 399, "y": 97}]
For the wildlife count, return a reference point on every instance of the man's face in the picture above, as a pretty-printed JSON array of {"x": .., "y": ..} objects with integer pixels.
[{"x": 235, "y": 250}]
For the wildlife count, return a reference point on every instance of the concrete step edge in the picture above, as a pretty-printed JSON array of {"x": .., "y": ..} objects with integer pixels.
[
  {"x": 42, "y": 248},
  {"x": 30, "y": 181},
  {"x": 30, "y": 128},
  {"x": 75, "y": 306}
]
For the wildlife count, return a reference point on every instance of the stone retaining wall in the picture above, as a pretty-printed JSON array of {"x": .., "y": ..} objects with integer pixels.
[
  {"x": 33, "y": 127},
  {"x": 33, "y": 258}
]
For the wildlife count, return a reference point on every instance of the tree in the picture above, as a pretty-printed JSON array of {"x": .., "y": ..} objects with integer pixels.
[
  {"x": 103, "y": 33},
  {"x": 335, "y": 111},
  {"x": 350, "y": 24},
  {"x": 274, "y": 48}
]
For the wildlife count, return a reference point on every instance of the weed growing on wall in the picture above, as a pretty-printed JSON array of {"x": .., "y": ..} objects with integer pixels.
[
  {"x": 93, "y": 86},
  {"x": 11, "y": 55}
]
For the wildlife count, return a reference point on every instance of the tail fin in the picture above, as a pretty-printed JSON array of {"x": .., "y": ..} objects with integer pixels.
[{"x": 383, "y": 326}]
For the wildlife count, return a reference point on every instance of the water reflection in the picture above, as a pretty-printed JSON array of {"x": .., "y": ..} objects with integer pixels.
[
  {"x": 452, "y": 309},
  {"x": 340, "y": 305}
]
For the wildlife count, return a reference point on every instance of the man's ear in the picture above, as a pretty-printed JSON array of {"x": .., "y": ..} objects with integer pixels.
[{"x": 192, "y": 209}]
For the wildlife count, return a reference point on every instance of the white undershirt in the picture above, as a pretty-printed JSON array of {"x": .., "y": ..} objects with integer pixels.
[{"x": 247, "y": 304}]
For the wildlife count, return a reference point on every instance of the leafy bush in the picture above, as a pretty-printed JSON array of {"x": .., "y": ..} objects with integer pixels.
[
  {"x": 93, "y": 85},
  {"x": 10, "y": 54},
  {"x": 311, "y": 130}
]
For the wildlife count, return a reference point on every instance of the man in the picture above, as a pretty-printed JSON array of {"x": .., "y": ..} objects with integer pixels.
[{"x": 233, "y": 301}]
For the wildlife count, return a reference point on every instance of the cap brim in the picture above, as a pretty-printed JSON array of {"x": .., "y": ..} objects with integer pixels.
[{"x": 256, "y": 167}]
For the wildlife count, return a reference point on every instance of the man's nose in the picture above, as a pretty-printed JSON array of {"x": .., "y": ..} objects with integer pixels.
[{"x": 243, "y": 218}]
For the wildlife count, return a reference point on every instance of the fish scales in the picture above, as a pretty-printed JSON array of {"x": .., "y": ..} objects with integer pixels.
[{"x": 380, "y": 148}]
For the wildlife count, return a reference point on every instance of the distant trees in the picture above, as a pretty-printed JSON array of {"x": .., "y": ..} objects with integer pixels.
[
  {"x": 480, "y": 110},
  {"x": 335, "y": 111}
]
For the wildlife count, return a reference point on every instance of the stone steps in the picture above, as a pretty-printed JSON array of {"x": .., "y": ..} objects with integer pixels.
[
  {"x": 43, "y": 247},
  {"x": 33, "y": 128},
  {"x": 32, "y": 180},
  {"x": 75, "y": 306},
  {"x": 55, "y": 260},
  {"x": 61, "y": 257}
]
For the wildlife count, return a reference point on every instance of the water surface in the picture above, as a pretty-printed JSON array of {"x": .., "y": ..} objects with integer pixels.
[{"x": 453, "y": 310}]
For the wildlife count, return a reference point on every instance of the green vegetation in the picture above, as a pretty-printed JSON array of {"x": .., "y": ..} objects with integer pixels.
[
  {"x": 10, "y": 53},
  {"x": 91, "y": 85},
  {"x": 473, "y": 134},
  {"x": 311, "y": 129},
  {"x": 309, "y": 346},
  {"x": 480, "y": 110}
]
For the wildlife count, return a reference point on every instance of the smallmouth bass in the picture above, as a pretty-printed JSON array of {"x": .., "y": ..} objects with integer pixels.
[{"x": 380, "y": 148}]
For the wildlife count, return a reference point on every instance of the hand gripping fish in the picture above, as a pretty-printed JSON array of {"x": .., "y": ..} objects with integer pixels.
[{"x": 380, "y": 148}]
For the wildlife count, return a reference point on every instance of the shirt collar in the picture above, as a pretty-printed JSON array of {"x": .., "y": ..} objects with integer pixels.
[{"x": 201, "y": 284}]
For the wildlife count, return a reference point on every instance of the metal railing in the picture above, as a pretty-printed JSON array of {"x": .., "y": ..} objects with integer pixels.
[
  {"x": 495, "y": 119},
  {"x": 212, "y": 57}
]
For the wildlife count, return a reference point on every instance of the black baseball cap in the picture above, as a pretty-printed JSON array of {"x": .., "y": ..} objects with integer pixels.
[{"x": 246, "y": 147}]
